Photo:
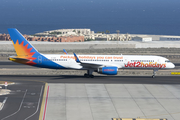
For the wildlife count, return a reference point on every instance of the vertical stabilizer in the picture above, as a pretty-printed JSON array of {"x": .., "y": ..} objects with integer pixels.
[
  {"x": 26, "y": 53},
  {"x": 21, "y": 45}
]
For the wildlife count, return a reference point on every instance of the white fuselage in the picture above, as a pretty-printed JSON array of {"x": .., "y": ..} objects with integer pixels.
[{"x": 120, "y": 61}]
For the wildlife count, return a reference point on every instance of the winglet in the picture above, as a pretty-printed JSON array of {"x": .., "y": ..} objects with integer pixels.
[
  {"x": 76, "y": 58},
  {"x": 65, "y": 52}
]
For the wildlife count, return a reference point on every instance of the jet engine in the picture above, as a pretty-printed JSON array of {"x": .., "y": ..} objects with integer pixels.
[{"x": 108, "y": 70}]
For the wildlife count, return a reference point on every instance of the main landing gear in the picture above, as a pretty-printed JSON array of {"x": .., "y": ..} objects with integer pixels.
[
  {"x": 154, "y": 73},
  {"x": 89, "y": 74}
]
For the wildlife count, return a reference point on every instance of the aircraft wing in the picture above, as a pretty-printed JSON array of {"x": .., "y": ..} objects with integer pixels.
[{"x": 92, "y": 65}]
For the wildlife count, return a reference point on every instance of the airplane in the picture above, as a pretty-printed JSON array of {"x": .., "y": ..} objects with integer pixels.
[{"x": 103, "y": 64}]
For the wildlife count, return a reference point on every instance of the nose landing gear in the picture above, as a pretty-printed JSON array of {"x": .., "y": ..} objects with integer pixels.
[{"x": 154, "y": 73}]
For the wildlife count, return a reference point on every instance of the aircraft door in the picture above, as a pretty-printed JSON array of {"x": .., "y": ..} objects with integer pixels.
[
  {"x": 69, "y": 61},
  {"x": 160, "y": 61},
  {"x": 125, "y": 61}
]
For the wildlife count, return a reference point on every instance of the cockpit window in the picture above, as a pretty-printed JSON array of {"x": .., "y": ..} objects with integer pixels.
[{"x": 167, "y": 61}]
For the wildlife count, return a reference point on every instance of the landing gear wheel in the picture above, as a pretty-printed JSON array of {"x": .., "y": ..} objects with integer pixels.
[
  {"x": 91, "y": 76},
  {"x": 85, "y": 75},
  {"x": 88, "y": 76},
  {"x": 153, "y": 76},
  {"x": 154, "y": 73}
]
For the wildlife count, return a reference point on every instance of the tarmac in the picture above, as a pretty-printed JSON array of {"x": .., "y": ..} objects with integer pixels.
[
  {"x": 102, "y": 98},
  {"x": 107, "y": 101},
  {"x": 12, "y": 68},
  {"x": 23, "y": 102},
  {"x": 67, "y": 97}
]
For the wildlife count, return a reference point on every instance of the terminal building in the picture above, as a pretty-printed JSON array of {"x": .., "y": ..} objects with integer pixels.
[
  {"x": 170, "y": 38},
  {"x": 142, "y": 38}
]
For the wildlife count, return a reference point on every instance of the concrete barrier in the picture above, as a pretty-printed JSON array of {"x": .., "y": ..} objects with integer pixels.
[{"x": 7, "y": 46}]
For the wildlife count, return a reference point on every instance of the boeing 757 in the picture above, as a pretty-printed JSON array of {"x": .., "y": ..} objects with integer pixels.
[{"x": 103, "y": 64}]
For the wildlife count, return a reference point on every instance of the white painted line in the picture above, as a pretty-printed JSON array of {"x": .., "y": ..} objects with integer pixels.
[
  {"x": 37, "y": 106},
  {"x": 4, "y": 101},
  {"x": 18, "y": 109}
]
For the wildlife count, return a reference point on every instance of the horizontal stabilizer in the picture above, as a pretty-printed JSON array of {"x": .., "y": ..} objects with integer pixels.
[{"x": 18, "y": 59}]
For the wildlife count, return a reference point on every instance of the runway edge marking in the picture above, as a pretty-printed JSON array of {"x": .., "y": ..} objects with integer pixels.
[{"x": 43, "y": 102}]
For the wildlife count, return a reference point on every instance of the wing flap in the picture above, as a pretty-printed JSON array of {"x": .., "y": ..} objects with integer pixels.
[{"x": 91, "y": 65}]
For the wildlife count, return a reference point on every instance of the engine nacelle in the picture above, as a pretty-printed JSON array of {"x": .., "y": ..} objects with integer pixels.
[{"x": 108, "y": 70}]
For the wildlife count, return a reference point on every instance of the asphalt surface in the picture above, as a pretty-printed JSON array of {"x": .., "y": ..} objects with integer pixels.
[
  {"x": 95, "y": 80},
  {"x": 24, "y": 101},
  {"x": 10, "y": 64}
]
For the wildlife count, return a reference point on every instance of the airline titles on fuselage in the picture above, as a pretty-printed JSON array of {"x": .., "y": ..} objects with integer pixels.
[{"x": 92, "y": 57}]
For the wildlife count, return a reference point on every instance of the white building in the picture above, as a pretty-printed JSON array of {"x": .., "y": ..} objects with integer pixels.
[
  {"x": 142, "y": 38},
  {"x": 169, "y": 38},
  {"x": 87, "y": 33},
  {"x": 65, "y": 31}
]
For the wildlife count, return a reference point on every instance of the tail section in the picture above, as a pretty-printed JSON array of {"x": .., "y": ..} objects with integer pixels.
[
  {"x": 65, "y": 52},
  {"x": 76, "y": 58},
  {"x": 27, "y": 54},
  {"x": 21, "y": 45},
  {"x": 23, "y": 48}
]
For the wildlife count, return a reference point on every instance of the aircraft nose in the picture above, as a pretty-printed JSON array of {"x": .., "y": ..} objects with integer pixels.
[{"x": 172, "y": 65}]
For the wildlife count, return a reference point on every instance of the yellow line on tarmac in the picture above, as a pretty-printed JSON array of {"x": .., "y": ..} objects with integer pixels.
[
  {"x": 175, "y": 73},
  {"x": 43, "y": 102}
]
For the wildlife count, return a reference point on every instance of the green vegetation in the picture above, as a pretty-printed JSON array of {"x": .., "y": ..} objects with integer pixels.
[
  {"x": 55, "y": 33},
  {"x": 107, "y": 31},
  {"x": 100, "y": 32},
  {"x": 89, "y": 39}
]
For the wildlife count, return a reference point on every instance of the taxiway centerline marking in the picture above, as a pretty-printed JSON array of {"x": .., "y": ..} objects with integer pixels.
[
  {"x": 18, "y": 109},
  {"x": 37, "y": 106},
  {"x": 4, "y": 101}
]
